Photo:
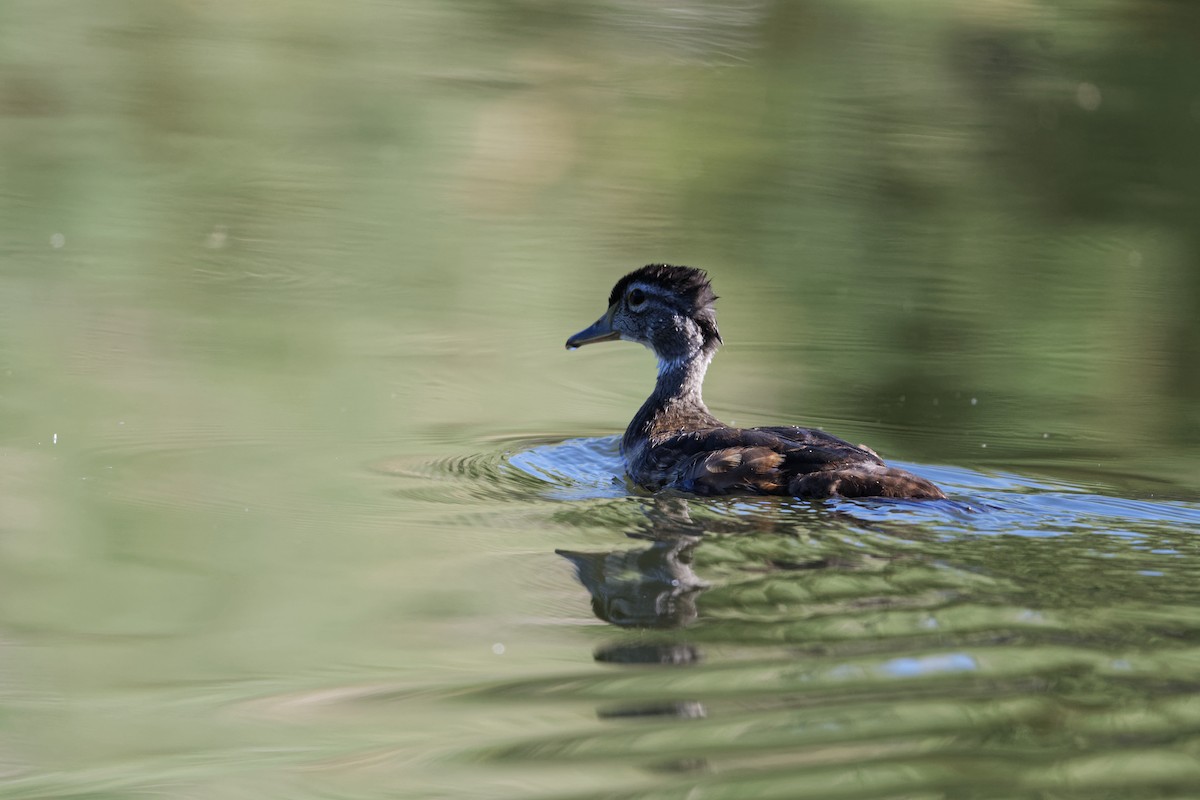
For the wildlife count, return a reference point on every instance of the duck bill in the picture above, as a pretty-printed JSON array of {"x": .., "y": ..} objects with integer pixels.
[{"x": 602, "y": 331}]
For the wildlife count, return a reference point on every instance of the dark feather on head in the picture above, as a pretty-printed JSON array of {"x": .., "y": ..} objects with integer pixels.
[
  {"x": 685, "y": 282},
  {"x": 688, "y": 284}
]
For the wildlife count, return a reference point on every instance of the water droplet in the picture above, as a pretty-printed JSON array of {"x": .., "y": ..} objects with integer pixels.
[
  {"x": 1087, "y": 96},
  {"x": 974, "y": 401},
  {"x": 217, "y": 238}
]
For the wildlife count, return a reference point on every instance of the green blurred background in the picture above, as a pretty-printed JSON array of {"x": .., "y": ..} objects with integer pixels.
[
  {"x": 931, "y": 201},
  {"x": 257, "y": 259}
]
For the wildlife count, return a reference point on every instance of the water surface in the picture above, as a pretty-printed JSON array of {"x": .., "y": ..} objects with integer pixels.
[{"x": 303, "y": 498}]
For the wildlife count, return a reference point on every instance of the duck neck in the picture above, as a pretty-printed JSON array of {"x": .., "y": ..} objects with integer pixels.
[{"x": 676, "y": 406}]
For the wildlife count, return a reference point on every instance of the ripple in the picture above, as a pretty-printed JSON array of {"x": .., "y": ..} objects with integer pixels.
[
  {"x": 1029, "y": 630},
  {"x": 523, "y": 470},
  {"x": 532, "y": 469},
  {"x": 830, "y": 726},
  {"x": 577, "y": 469}
]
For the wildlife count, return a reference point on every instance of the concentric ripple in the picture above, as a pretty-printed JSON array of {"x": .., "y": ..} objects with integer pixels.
[
  {"x": 524, "y": 469},
  {"x": 1027, "y": 638}
]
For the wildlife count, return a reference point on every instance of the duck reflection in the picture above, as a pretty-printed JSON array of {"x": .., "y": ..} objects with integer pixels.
[
  {"x": 646, "y": 587},
  {"x": 649, "y": 587},
  {"x": 650, "y": 590},
  {"x": 652, "y": 587}
]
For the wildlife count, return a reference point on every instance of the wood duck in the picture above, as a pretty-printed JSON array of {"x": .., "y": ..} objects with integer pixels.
[{"x": 674, "y": 442}]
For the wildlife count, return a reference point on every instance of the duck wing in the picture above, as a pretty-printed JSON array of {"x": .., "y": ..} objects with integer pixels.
[
  {"x": 784, "y": 460},
  {"x": 760, "y": 460}
]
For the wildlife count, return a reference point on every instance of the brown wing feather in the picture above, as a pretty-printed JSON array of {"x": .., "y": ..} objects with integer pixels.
[
  {"x": 747, "y": 469},
  {"x": 778, "y": 460},
  {"x": 863, "y": 480}
]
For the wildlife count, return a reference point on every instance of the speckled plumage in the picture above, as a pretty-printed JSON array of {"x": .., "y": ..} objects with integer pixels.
[{"x": 674, "y": 442}]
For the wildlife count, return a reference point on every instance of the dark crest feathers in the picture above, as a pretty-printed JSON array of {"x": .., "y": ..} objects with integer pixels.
[{"x": 688, "y": 283}]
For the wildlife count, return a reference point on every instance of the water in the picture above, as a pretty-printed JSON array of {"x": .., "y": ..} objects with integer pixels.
[{"x": 302, "y": 496}]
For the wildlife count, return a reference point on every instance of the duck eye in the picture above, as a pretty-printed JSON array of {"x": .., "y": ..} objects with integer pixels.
[{"x": 637, "y": 297}]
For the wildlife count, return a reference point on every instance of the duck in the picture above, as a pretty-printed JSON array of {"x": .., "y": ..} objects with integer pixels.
[{"x": 675, "y": 443}]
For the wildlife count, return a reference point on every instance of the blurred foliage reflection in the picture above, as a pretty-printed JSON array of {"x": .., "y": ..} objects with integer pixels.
[{"x": 284, "y": 285}]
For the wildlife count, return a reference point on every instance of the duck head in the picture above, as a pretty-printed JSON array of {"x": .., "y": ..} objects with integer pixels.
[{"x": 667, "y": 308}]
